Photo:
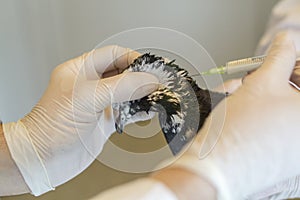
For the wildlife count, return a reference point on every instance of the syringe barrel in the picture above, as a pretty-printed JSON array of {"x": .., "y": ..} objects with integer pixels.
[
  {"x": 242, "y": 68},
  {"x": 244, "y": 65}
]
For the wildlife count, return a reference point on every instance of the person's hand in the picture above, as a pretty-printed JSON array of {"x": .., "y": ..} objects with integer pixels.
[
  {"x": 249, "y": 146},
  {"x": 68, "y": 127},
  {"x": 230, "y": 86}
]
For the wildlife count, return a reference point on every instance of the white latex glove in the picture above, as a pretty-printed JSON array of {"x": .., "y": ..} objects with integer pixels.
[
  {"x": 68, "y": 127},
  {"x": 250, "y": 145},
  {"x": 285, "y": 16},
  {"x": 140, "y": 189}
]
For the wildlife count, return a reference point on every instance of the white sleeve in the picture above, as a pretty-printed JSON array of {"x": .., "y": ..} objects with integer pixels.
[
  {"x": 140, "y": 189},
  {"x": 285, "y": 16}
]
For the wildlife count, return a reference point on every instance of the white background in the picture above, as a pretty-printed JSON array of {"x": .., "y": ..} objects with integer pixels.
[{"x": 37, "y": 35}]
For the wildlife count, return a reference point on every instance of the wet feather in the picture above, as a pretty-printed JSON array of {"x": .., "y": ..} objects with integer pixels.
[{"x": 181, "y": 105}]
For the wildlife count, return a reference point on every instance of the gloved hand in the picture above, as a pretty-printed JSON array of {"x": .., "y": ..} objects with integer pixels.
[
  {"x": 249, "y": 146},
  {"x": 285, "y": 16},
  {"x": 68, "y": 127}
]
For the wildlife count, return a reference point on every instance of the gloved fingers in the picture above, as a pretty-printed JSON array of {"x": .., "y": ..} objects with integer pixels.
[
  {"x": 285, "y": 189},
  {"x": 124, "y": 87},
  {"x": 108, "y": 61},
  {"x": 279, "y": 64}
]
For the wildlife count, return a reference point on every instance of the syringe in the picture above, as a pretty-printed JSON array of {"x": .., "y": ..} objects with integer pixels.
[{"x": 241, "y": 65}]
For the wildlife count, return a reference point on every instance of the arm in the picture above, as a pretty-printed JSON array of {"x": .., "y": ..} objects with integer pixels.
[
  {"x": 67, "y": 129},
  {"x": 11, "y": 180},
  {"x": 167, "y": 184},
  {"x": 186, "y": 184}
]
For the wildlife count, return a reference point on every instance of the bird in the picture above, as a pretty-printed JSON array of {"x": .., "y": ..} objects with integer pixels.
[{"x": 182, "y": 106}]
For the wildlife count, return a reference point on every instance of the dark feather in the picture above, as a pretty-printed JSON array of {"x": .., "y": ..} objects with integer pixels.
[{"x": 181, "y": 105}]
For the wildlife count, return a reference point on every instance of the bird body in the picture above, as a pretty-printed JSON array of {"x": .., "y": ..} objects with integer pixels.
[{"x": 181, "y": 105}]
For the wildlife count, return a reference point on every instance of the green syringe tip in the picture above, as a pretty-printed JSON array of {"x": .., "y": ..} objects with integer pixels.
[
  {"x": 216, "y": 70},
  {"x": 205, "y": 73}
]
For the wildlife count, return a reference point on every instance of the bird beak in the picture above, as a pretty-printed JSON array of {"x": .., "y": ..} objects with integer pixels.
[{"x": 119, "y": 127}]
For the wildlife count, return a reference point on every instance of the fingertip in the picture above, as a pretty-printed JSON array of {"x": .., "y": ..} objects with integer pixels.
[
  {"x": 146, "y": 77},
  {"x": 132, "y": 55},
  {"x": 108, "y": 58},
  {"x": 131, "y": 85},
  {"x": 123, "y": 56},
  {"x": 142, "y": 84}
]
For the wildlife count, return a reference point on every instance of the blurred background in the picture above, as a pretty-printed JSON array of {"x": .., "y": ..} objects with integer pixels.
[{"x": 37, "y": 35}]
